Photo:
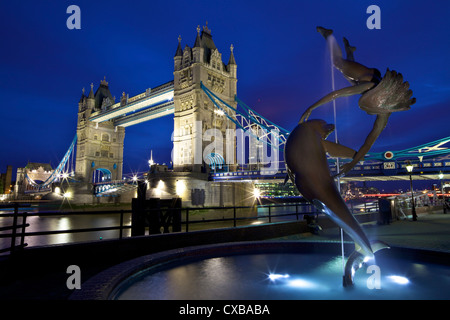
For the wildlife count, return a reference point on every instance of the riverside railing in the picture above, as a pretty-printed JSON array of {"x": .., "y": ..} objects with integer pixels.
[
  {"x": 267, "y": 214},
  {"x": 13, "y": 235}
]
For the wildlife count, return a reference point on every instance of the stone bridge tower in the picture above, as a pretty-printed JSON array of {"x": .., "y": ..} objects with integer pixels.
[
  {"x": 99, "y": 155},
  {"x": 194, "y": 111}
]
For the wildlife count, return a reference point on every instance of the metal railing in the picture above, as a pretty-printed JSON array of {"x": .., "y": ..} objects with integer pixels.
[
  {"x": 365, "y": 207},
  {"x": 265, "y": 217},
  {"x": 270, "y": 214},
  {"x": 13, "y": 235},
  {"x": 121, "y": 227}
]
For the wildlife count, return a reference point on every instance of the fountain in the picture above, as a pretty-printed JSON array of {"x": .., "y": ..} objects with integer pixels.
[
  {"x": 306, "y": 147},
  {"x": 266, "y": 270},
  {"x": 297, "y": 270}
]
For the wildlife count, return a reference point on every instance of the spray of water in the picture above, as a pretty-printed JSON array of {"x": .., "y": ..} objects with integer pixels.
[{"x": 334, "y": 52}]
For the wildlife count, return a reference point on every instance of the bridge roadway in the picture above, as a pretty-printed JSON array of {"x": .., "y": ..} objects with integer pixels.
[
  {"x": 151, "y": 104},
  {"x": 381, "y": 171}
]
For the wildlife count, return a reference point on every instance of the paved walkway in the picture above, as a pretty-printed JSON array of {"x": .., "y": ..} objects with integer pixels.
[{"x": 430, "y": 231}]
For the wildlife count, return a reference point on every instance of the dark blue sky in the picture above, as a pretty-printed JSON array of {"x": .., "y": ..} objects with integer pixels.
[{"x": 283, "y": 66}]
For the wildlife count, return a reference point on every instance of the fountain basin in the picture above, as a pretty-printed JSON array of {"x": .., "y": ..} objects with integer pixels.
[{"x": 271, "y": 271}]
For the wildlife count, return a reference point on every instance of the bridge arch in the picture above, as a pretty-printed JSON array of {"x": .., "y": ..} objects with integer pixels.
[
  {"x": 101, "y": 175},
  {"x": 215, "y": 161}
]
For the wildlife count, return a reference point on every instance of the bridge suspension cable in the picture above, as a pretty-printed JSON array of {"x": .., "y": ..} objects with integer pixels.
[
  {"x": 57, "y": 172},
  {"x": 249, "y": 120},
  {"x": 429, "y": 150},
  {"x": 260, "y": 127}
]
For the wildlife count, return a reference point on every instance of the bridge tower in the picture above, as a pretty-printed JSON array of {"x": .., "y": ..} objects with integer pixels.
[
  {"x": 194, "y": 113},
  {"x": 99, "y": 155}
]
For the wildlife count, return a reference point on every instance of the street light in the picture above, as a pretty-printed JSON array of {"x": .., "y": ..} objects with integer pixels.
[
  {"x": 256, "y": 193},
  {"x": 410, "y": 168},
  {"x": 441, "y": 176}
]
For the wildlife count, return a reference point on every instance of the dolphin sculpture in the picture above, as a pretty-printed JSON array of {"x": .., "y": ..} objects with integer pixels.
[
  {"x": 307, "y": 166},
  {"x": 380, "y": 96},
  {"x": 306, "y": 147}
]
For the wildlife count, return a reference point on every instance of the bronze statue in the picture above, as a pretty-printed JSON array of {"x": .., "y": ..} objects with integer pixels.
[
  {"x": 379, "y": 96},
  {"x": 306, "y": 147},
  {"x": 307, "y": 166}
]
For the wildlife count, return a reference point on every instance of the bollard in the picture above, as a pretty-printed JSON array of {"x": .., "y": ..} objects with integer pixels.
[
  {"x": 138, "y": 210},
  {"x": 176, "y": 215}
]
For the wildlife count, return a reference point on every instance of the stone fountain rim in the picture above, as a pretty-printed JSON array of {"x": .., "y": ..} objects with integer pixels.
[{"x": 106, "y": 284}]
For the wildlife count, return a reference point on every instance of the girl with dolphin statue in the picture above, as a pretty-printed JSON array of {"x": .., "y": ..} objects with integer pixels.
[{"x": 306, "y": 146}]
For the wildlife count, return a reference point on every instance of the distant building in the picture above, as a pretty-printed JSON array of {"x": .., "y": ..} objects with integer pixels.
[
  {"x": 5, "y": 181},
  {"x": 33, "y": 172},
  {"x": 352, "y": 190}
]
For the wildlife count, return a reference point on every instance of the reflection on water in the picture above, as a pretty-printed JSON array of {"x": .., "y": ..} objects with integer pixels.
[
  {"x": 67, "y": 222},
  {"x": 71, "y": 222},
  {"x": 304, "y": 276}
]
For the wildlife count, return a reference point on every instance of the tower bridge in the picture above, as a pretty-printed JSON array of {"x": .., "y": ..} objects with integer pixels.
[
  {"x": 202, "y": 97},
  {"x": 151, "y": 104}
]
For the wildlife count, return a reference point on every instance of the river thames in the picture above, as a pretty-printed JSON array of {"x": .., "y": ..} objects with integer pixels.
[{"x": 58, "y": 221}]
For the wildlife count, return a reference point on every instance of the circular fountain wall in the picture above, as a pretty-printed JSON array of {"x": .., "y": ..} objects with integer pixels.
[{"x": 271, "y": 271}]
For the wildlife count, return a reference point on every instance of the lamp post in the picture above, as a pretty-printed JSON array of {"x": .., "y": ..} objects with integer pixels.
[
  {"x": 410, "y": 168},
  {"x": 441, "y": 176}
]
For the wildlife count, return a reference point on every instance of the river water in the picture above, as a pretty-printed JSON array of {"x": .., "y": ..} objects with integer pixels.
[
  {"x": 54, "y": 222},
  {"x": 39, "y": 223}
]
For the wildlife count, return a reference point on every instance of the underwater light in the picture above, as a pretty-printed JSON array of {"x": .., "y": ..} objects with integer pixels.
[
  {"x": 301, "y": 283},
  {"x": 276, "y": 276},
  {"x": 294, "y": 283},
  {"x": 399, "y": 279}
]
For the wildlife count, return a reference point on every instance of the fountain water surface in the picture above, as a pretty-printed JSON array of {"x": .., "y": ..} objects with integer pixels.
[{"x": 281, "y": 270}]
